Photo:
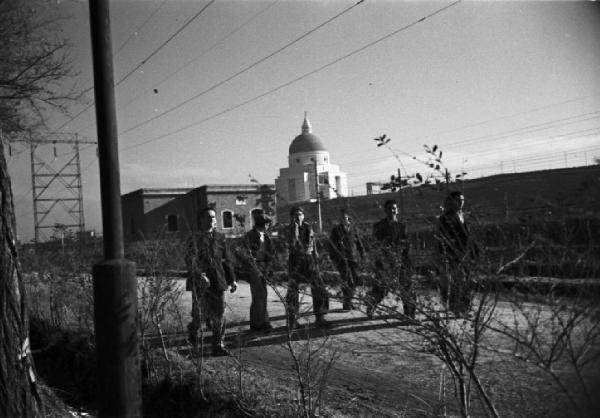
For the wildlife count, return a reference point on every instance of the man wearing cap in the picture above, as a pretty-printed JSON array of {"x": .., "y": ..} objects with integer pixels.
[
  {"x": 211, "y": 273},
  {"x": 260, "y": 259},
  {"x": 303, "y": 268}
]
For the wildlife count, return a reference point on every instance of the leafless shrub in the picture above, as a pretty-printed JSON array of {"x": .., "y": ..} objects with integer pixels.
[
  {"x": 59, "y": 289},
  {"x": 311, "y": 371},
  {"x": 560, "y": 335},
  {"x": 159, "y": 300}
]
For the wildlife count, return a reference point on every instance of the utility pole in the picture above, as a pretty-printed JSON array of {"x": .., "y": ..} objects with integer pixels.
[
  {"x": 115, "y": 284},
  {"x": 318, "y": 196},
  {"x": 401, "y": 194}
]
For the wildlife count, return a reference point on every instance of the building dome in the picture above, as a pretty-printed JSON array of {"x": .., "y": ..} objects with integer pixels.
[{"x": 306, "y": 141}]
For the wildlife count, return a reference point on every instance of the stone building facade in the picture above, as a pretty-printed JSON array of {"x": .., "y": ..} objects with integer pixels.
[{"x": 151, "y": 213}]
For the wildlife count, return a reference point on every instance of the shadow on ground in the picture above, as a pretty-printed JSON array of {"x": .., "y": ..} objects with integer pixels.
[{"x": 236, "y": 337}]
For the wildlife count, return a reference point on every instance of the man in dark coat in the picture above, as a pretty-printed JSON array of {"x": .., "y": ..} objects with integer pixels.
[
  {"x": 345, "y": 244},
  {"x": 260, "y": 258},
  {"x": 303, "y": 268},
  {"x": 392, "y": 262},
  {"x": 457, "y": 250},
  {"x": 211, "y": 273}
]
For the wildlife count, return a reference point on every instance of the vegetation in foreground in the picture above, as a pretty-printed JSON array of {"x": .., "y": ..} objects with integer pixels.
[{"x": 561, "y": 334}]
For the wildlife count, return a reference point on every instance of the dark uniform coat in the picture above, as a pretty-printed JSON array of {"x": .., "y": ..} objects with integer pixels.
[
  {"x": 391, "y": 235},
  {"x": 392, "y": 259},
  {"x": 454, "y": 240},
  {"x": 303, "y": 267},
  {"x": 457, "y": 250},
  {"x": 210, "y": 254},
  {"x": 253, "y": 242},
  {"x": 345, "y": 243}
]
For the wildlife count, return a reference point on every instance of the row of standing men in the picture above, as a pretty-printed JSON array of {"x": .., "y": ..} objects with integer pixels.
[{"x": 211, "y": 269}]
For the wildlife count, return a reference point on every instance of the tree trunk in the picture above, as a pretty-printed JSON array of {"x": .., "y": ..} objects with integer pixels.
[{"x": 18, "y": 390}]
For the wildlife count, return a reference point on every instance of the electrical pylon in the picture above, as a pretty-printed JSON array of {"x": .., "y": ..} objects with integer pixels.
[{"x": 45, "y": 174}]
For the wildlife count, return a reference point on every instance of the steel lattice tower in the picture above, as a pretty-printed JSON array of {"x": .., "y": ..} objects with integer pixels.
[{"x": 55, "y": 184}]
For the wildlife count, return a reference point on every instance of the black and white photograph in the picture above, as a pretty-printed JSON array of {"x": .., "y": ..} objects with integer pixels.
[{"x": 300, "y": 208}]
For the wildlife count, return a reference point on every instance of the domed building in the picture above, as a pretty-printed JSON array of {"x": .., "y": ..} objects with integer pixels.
[{"x": 309, "y": 159}]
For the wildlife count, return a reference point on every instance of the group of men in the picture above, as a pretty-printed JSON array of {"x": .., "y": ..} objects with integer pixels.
[{"x": 212, "y": 273}]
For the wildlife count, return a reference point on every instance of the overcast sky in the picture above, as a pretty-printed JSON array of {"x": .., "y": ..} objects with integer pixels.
[{"x": 498, "y": 86}]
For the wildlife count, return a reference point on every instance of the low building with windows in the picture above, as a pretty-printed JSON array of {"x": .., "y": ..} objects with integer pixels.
[
  {"x": 309, "y": 170},
  {"x": 150, "y": 212},
  {"x": 153, "y": 212},
  {"x": 375, "y": 188}
]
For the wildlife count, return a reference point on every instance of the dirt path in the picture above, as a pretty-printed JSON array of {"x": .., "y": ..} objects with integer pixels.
[{"x": 380, "y": 368}]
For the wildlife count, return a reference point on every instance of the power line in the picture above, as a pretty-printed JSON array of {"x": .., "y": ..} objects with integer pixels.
[
  {"x": 574, "y": 134},
  {"x": 220, "y": 83},
  {"x": 139, "y": 28},
  {"x": 129, "y": 38},
  {"x": 556, "y": 157},
  {"x": 523, "y": 130},
  {"x": 144, "y": 61},
  {"x": 527, "y": 159},
  {"x": 446, "y": 146},
  {"x": 537, "y": 109},
  {"x": 529, "y": 164},
  {"x": 356, "y": 51},
  {"x": 422, "y": 138},
  {"x": 532, "y": 128},
  {"x": 206, "y": 51}
]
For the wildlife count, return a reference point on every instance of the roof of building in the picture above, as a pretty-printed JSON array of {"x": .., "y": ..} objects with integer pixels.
[
  {"x": 306, "y": 141},
  {"x": 236, "y": 188},
  {"x": 160, "y": 191},
  {"x": 210, "y": 188}
]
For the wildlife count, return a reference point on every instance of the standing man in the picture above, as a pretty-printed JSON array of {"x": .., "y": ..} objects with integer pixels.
[
  {"x": 303, "y": 268},
  {"x": 345, "y": 244},
  {"x": 262, "y": 254},
  {"x": 457, "y": 250},
  {"x": 211, "y": 273},
  {"x": 392, "y": 263}
]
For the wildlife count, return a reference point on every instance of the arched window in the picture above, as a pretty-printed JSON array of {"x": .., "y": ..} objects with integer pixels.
[
  {"x": 172, "y": 223},
  {"x": 227, "y": 219}
]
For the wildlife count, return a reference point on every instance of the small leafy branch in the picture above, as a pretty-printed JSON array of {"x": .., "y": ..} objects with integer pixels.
[
  {"x": 438, "y": 175},
  {"x": 396, "y": 182},
  {"x": 439, "y": 172},
  {"x": 382, "y": 140}
]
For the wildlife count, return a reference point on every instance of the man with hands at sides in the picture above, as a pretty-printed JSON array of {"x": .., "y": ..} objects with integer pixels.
[
  {"x": 303, "y": 268},
  {"x": 211, "y": 273}
]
